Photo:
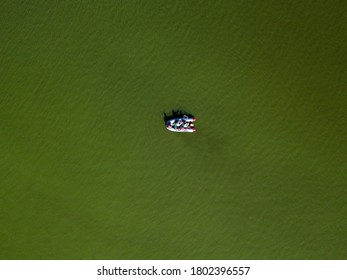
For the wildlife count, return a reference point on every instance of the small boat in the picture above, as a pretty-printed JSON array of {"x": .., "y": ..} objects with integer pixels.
[{"x": 184, "y": 124}]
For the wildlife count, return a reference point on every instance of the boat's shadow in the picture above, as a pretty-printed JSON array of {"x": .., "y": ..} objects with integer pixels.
[{"x": 176, "y": 115}]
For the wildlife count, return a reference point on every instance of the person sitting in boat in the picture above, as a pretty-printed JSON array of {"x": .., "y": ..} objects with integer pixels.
[
  {"x": 187, "y": 125},
  {"x": 179, "y": 123}
]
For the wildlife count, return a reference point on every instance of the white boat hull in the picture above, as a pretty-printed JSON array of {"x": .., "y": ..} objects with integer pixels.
[
  {"x": 181, "y": 129},
  {"x": 170, "y": 126}
]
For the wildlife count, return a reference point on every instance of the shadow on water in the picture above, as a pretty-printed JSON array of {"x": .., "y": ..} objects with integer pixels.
[{"x": 176, "y": 115}]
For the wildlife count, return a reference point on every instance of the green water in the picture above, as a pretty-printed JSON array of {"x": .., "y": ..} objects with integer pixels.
[{"x": 88, "y": 170}]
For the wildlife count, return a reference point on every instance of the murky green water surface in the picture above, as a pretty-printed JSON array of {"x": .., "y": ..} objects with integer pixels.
[{"x": 88, "y": 170}]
